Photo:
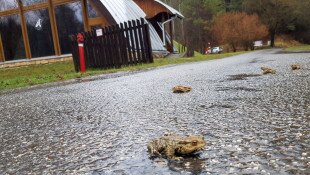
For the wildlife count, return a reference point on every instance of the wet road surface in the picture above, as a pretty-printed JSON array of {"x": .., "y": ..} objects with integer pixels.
[{"x": 253, "y": 123}]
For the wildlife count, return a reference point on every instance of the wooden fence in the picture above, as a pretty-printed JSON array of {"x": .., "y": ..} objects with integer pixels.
[{"x": 114, "y": 46}]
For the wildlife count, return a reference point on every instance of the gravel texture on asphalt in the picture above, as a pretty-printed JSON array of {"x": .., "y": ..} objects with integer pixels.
[{"x": 253, "y": 123}]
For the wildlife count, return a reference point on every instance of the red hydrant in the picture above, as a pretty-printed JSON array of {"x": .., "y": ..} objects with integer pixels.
[{"x": 80, "y": 40}]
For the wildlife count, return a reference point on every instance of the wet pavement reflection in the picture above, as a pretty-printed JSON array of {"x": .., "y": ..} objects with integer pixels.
[{"x": 253, "y": 123}]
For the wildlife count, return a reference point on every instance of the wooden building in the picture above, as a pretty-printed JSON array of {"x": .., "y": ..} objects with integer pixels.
[
  {"x": 159, "y": 15},
  {"x": 40, "y": 28}
]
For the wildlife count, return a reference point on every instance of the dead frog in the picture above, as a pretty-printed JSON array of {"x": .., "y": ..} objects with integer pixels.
[
  {"x": 171, "y": 145},
  {"x": 181, "y": 89},
  {"x": 267, "y": 70},
  {"x": 295, "y": 66}
]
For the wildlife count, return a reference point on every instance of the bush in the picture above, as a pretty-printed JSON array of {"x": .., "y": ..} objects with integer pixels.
[{"x": 238, "y": 30}]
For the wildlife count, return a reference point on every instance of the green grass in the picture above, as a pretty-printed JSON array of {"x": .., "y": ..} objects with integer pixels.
[
  {"x": 178, "y": 45},
  {"x": 301, "y": 48},
  {"x": 37, "y": 74},
  {"x": 12, "y": 78}
]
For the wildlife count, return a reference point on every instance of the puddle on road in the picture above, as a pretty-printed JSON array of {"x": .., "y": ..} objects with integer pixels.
[
  {"x": 260, "y": 61},
  {"x": 218, "y": 89},
  {"x": 241, "y": 76},
  {"x": 194, "y": 165},
  {"x": 217, "y": 106}
]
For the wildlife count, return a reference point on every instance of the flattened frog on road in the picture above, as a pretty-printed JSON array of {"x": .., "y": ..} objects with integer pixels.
[{"x": 171, "y": 145}]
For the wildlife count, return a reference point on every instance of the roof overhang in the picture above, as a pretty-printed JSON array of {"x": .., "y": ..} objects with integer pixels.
[
  {"x": 119, "y": 11},
  {"x": 170, "y": 9}
]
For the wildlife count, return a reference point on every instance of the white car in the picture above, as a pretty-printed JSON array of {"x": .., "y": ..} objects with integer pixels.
[{"x": 216, "y": 50}]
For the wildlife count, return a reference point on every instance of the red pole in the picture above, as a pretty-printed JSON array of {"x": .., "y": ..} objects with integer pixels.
[{"x": 80, "y": 40}]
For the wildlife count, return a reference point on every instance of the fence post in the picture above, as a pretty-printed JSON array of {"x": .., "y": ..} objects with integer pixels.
[
  {"x": 123, "y": 45},
  {"x": 133, "y": 44},
  {"x": 142, "y": 43},
  {"x": 149, "y": 44},
  {"x": 135, "y": 29},
  {"x": 128, "y": 43},
  {"x": 74, "y": 52},
  {"x": 80, "y": 40}
]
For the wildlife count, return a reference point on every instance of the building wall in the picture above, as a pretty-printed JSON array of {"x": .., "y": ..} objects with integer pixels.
[
  {"x": 31, "y": 29},
  {"x": 35, "y": 61}
]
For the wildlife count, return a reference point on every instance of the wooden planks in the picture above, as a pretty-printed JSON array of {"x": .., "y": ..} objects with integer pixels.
[
  {"x": 98, "y": 21},
  {"x": 151, "y": 7},
  {"x": 119, "y": 45},
  {"x": 9, "y": 12},
  {"x": 24, "y": 29},
  {"x": 85, "y": 15},
  {"x": 37, "y": 6},
  {"x": 51, "y": 12}
]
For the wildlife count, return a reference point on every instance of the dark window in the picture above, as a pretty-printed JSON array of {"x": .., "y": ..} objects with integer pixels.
[
  {"x": 31, "y": 2},
  {"x": 91, "y": 11},
  {"x": 12, "y": 38},
  {"x": 8, "y": 4},
  {"x": 69, "y": 21},
  {"x": 40, "y": 33}
]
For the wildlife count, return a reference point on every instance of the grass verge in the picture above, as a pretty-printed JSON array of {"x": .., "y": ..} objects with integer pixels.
[
  {"x": 11, "y": 78},
  {"x": 301, "y": 48}
]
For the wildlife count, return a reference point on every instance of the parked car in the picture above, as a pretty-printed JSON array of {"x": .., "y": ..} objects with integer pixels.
[
  {"x": 258, "y": 43},
  {"x": 216, "y": 50}
]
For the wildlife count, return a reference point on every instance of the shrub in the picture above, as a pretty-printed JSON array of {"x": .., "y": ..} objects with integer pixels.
[{"x": 238, "y": 30}]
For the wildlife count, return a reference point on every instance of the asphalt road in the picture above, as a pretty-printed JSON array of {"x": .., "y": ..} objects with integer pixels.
[{"x": 252, "y": 123}]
